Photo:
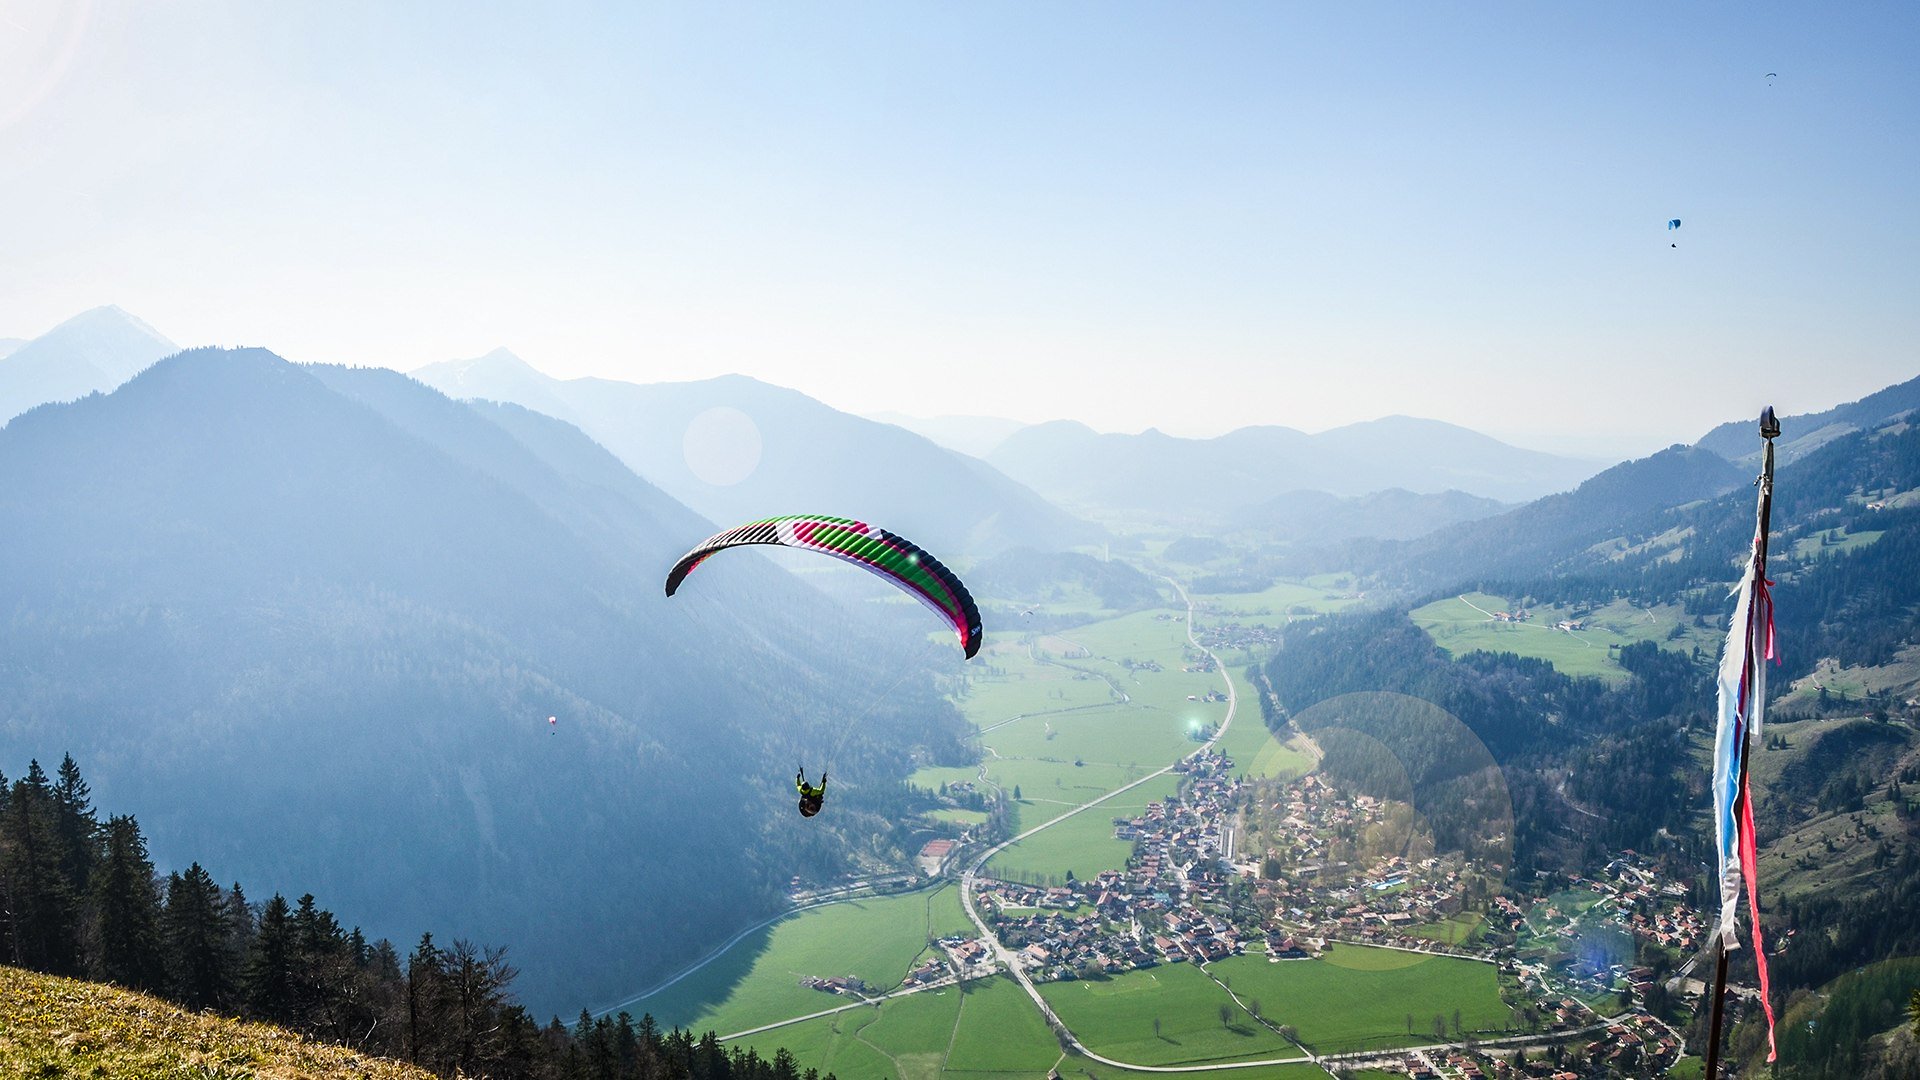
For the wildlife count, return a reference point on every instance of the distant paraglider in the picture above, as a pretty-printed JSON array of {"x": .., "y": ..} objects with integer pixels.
[
  {"x": 1673, "y": 225},
  {"x": 553, "y": 725},
  {"x": 1772, "y": 75}
]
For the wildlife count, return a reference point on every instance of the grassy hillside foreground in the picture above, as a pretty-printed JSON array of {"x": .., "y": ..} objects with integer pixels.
[{"x": 51, "y": 1026}]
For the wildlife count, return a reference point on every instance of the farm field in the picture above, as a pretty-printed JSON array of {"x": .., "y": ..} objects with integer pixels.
[
  {"x": 986, "y": 1028},
  {"x": 1461, "y": 625},
  {"x": 1115, "y": 1016},
  {"x": 1834, "y": 542},
  {"x": 1456, "y": 930},
  {"x": 1278, "y": 603},
  {"x": 1110, "y": 735},
  {"x": 758, "y": 980},
  {"x": 1012, "y": 683},
  {"x": 1357, "y": 997},
  {"x": 1083, "y": 843},
  {"x": 1055, "y": 729},
  {"x": 1093, "y": 1070},
  {"x": 1066, "y": 718}
]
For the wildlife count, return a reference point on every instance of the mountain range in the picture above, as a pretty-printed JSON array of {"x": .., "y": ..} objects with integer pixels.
[
  {"x": 93, "y": 352},
  {"x": 311, "y": 623},
  {"x": 735, "y": 449},
  {"x": 973, "y": 435},
  {"x": 1804, "y": 433},
  {"x": 1211, "y": 479}
]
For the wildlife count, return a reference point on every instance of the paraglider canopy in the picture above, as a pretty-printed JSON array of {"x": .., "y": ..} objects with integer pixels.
[
  {"x": 1672, "y": 225},
  {"x": 905, "y": 564}
]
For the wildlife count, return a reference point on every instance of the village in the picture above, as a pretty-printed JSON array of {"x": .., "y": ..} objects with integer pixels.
[{"x": 1189, "y": 895}]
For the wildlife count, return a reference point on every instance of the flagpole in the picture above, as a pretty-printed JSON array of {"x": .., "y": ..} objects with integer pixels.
[{"x": 1756, "y": 658}]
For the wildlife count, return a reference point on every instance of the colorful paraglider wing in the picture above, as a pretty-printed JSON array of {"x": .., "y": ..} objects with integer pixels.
[{"x": 892, "y": 557}]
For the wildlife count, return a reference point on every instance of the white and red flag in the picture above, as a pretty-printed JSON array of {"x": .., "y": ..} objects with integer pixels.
[{"x": 1743, "y": 699}]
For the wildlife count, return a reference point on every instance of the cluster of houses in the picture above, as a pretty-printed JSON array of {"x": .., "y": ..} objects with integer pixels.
[
  {"x": 1242, "y": 636},
  {"x": 967, "y": 954},
  {"x": 1637, "y": 1041},
  {"x": 1170, "y": 905},
  {"x": 1382, "y": 908},
  {"x": 1425, "y": 1065},
  {"x": 1182, "y": 847},
  {"x": 1652, "y": 911},
  {"x": 839, "y": 984},
  {"x": 1632, "y": 900},
  {"x": 1635, "y": 1045},
  {"x": 1313, "y": 812},
  {"x": 1316, "y": 896}
]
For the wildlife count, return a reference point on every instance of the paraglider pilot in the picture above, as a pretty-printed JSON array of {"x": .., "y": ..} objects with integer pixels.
[{"x": 810, "y": 797}]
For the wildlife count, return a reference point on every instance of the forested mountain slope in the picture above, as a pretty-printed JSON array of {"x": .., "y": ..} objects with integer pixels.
[
  {"x": 1595, "y": 767},
  {"x": 314, "y": 622}
]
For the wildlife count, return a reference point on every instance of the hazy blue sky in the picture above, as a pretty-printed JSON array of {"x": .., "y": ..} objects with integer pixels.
[{"x": 1190, "y": 216}]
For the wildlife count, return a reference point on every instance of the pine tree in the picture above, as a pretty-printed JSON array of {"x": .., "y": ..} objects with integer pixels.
[
  {"x": 240, "y": 923},
  {"x": 39, "y": 900},
  {"x": 201, "y": 961},
  {"x": 125, "y": 911},
  {"x": 267, "y": 980},
  {"x": 426, "y": 1004},
  {"x": 6, "y": 922},
  {"x": 79, "y": 830},
  {"x": 322, "y": 970},
  {"x": 476, "y": 981}
]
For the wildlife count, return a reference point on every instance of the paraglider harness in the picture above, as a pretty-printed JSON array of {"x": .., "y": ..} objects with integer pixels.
[{"x": 810, "y": 797}]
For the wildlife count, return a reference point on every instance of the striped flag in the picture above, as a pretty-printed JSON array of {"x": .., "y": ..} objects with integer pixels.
[{"x": 1743, "y": 697}]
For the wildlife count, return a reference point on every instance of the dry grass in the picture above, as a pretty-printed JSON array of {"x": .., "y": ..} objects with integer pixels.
[{"x": 54, "y": 1027}]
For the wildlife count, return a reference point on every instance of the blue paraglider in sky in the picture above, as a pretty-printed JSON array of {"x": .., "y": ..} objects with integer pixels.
[{"x": 1672, "y": 225}]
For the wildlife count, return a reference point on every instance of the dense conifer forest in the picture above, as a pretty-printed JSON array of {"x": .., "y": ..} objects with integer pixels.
[
  {"x": 79, "y": 897},
  {"x": 1594, "y": 767}
]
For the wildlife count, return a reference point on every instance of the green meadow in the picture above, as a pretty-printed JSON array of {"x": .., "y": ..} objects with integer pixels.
[
  {"x": 1460, "y": 625},
  {"x": 1834, "y": 542},
  {"x": 1116, "y": 1017},
  {"x": 1093, "y": 1070},
  {"x": 1083, "y": 843},
  {"x": 1357, "y": 997},
  {"x": 1278, "y": 603},
  {"x": 1454, "y": 930},
  {"x": 757, "y": 981},
  {"x": 1063, "y": 719},
  {"x": 985, "y": 1029}
]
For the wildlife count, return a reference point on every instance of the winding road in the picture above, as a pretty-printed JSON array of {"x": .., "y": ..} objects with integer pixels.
[{"x": 969, "y": 879}]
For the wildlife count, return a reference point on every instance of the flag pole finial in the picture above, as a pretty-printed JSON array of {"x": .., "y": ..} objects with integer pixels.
[{"x": 1769, "y": 424}]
